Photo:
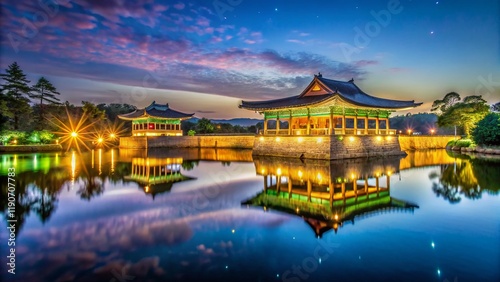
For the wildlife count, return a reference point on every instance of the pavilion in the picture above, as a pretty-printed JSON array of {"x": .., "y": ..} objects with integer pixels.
[
  {"x": 156, "y": 120},
  {"x": 329, "y": 107}
]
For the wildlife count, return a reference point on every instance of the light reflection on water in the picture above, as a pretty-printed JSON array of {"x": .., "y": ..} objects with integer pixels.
[{"x": 214, "y": 215}]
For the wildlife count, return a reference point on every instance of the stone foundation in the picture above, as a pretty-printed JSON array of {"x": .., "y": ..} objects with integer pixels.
[
  {"x": 214, "y": 141},
  {"x": 327, "y": 147}
]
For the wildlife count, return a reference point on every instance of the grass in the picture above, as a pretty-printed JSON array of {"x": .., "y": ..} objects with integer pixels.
[{"x": 466, "y": 143}]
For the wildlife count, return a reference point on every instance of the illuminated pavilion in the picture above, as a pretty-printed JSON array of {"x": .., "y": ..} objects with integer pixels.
[
  {"x": 156, "y": 120},
  {"x": 328, "y": 194},
  {"x": 329, "y": 107}
]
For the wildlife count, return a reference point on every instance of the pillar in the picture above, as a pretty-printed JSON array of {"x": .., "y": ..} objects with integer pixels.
[
  {"x": 332, "y": 189},
  {"x": 278, "y": 185},
  {"x": 265, "y": 124},
  {"x": 388, "y": 182},
  {"x": 343, "y": 123},
  {"x": 308, "y": 132},
  {"x": 290, "y": 121},
  {"x": 330, "y": 125},
  {"x": 387, "y": 125},
  {"x": 366, "y": 124},
  {"x": 377, "y": 120},
  {"x": 355, "y": 124},
  {"x": 309, "y": 190},
  {"x": 289, "y": 187},
  {"x": 277, "y": 125}
]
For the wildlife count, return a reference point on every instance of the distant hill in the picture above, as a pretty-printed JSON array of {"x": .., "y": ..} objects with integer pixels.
[{"x": 234, "y": 121}]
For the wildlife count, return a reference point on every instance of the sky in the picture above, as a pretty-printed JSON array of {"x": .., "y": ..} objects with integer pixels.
[{"x": 204, "y": 57}]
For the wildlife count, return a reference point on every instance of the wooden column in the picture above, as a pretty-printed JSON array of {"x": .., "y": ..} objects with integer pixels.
[
  {"x": 366, "y": 124},
  {"x": 387, "y": 125},
  {"x": 265, "y": 124},
  {"x": 265, "y": 183},
  {"x": 290, "y": 122},
  {"x": 277, "y": 125},
  {"x": 309, "y": 190},
  {"x": 343, "y": 121},
  {"x": 278, "y": 185},
  {"x": 308, "y": 132},
  {"x": 355, "y": 124},
  {"x": 330, "y": 125},
  {"x": 289, "y": 187},
  {"x": 377, "y": 125},
  {"x": 332, "y": 189}
]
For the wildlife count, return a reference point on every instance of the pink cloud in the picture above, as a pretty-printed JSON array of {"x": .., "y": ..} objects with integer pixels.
[{"x": 179, "y": 6}]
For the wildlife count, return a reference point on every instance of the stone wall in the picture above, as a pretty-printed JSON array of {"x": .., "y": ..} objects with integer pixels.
[
  {"x": 415, "y": 142},
  {"x": 214, "y": 141},
  {"x": 327, "y": 147},
  {"x": 30, "y": 148}
]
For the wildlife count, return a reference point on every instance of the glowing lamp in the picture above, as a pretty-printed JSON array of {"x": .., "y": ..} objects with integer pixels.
[
  {"x": 278, "y": 172},
  {"x": 74, "y": 134},
  {"x": 99, "y": 140},
  {"x": 351, "y": 139},
  {"x": 278, "y": 139},
  {"x": 146, "y": 189},
  {"x": 112, "y": 135}
]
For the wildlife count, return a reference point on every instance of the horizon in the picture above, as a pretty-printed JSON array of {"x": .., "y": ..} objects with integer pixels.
[{"x": 220, "y": 52}]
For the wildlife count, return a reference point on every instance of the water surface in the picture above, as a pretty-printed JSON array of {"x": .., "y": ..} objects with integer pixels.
[{"x": 221, "y": 215}]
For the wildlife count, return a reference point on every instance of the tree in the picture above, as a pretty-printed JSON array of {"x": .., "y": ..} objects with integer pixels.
[
  {"x": 204, "y": 125},
  {"x": 448, "y": 101},
  {"x": 44, "y": 91},
  {"x": 17, "y": 93},
  {"x": 465, "y": 114},
  {"x": 487, "y": 131},
  {"x": 496, "y": 107},
  {"x": 94, "y": 115}
]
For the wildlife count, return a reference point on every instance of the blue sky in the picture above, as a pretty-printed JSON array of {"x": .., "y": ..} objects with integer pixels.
[{"x": 205, "y": 56}]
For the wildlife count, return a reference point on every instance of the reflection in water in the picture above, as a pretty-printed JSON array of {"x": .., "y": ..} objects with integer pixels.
[
  {"x": 41, "y": 177},
  {"x": 467, "y": 177},
  {"x": 156, "y": 175},
  {"x": 327, "y": 194}
]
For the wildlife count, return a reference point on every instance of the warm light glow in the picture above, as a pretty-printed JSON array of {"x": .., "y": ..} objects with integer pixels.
[
  {"x": 99, "y": 140},
  {"x": 299, "y": 132},
  {"x": 15, "y": 141},
  {"x": 278, "y": 172},
  {"x": 336, "y": 217},
  {"x": 300, "y": 139},
  {"x": 319, "y": 176},
  {"x": 297, "y": 210},
  {"x": 353, "y": 176},
  {"x": 389, "y": 138},
  {"x": 146, "y": 188},
  {"x": 261, "y": 138},
  {"x": 262, "y": 171},
  {"x": 377, "y": 174},
  {"x": 278, "y": 139},
  {"x": 351, "y": 138},
  {"x": 112, "y": 135},
  {"x": 432, "y": 131},
  {"x": 379, "y": 138},
  {"x": 389, "y": 173},
  {"x": 300, "y": 174},
  {"x": 74, "y": 134},
  {"x": 319, "y": 140}
]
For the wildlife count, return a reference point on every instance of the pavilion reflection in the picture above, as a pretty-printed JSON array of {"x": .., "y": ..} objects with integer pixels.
[
  {"x": 156, "y": 175},
  {"x": 328, "y": 194}
]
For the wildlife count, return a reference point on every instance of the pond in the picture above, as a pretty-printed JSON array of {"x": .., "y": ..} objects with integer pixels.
[{"x": 222, "y": 215}]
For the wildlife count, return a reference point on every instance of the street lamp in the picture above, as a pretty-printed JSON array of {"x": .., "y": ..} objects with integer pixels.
[
  {"x": 432, "y": 131},
  {"x": 409, "y": 131}
]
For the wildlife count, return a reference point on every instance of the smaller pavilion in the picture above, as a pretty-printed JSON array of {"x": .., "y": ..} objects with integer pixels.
[{"x": 156, "y": 120}]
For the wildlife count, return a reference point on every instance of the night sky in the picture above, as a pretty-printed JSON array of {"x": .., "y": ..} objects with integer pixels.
[{"x": 205, "y": 56}]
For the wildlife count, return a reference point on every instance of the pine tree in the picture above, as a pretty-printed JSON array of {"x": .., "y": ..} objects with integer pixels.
[
  {"x": 43, "y": 90},
  {"x": 17, "y": 93}
]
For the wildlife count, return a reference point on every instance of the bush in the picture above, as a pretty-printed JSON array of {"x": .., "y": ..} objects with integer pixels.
[
  {"x": 191, "y": 132},
  {"x": 487, "y": 131}
]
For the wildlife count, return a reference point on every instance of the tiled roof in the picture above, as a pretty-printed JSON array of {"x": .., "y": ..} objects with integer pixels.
[
  {"x": 156, "y": 110},
  {"x": 347, "y": 91}
]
